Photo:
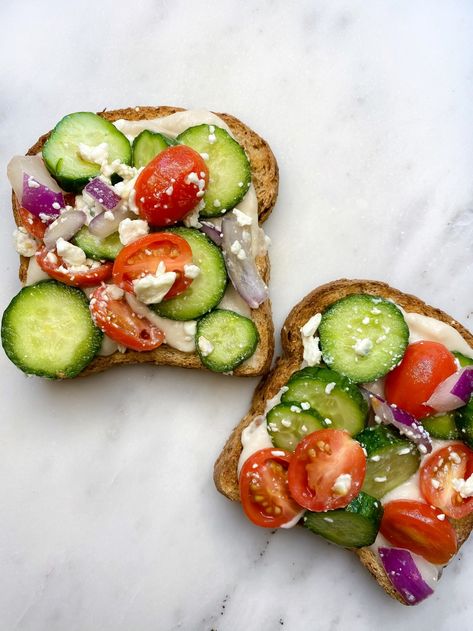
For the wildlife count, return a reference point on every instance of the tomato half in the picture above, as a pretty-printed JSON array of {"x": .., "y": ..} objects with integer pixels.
[
  {"x": 415, "y": 526},
  {"x": 264, "y": 490},
  {"x": 424, "y": 366},
  {"x": 318, "y": 463},
  {"x": 116, "y": 319},
  {"x": 57, "y": 269},
  {"x": 145, "y": 254},
  {"x": 437, "y": 474},
  {"x": 171, "y": 185},
  {"x": 32, "y": 224}
]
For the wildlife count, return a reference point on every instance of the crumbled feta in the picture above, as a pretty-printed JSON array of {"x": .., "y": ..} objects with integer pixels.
[
  {"x": 152, "y": 288},
  {"x": 204, "y": 155},
  {"x": 363, "y": 347},
  {"x": 56, "y": 205},
  {"x": 71, "y": 254},
  {"x": 217, "y": 203},
  {"x": 342, "y": 484},
  {"x": 97, "y": 154},
  {"x": 115, "y": 292},
  {"x": 132, "y": 229},
  {"x": 463, "y": 487},
  {"x": 51, "y": 258},
  {"x": 24, "y": 244},
  {"x": 286, "y": 422},
  {"x": 191, "y": 271},
  {"x": 380, "y": 478},
  {"x": 305, "y": 405},
  {"x": 241, "y": 255},
  {"x": 32, "y": 183},
  {"x": 295, "y": 408},
  {"x": 242, "y": 218},
  {"x": 312, "y": 352},
  {"x": 108, "y": 215},
  {"x": 205, "y": 345},
  {"x": 404, "y": 451},
  {"x": 235, "y": 247},
  {"x": 170, "y": 190},
  {"x": 375, "y": 458},
  {"x": 435, "y": 483},
  {"x": 441, "y": 517},
  {"x": 191, "y": 220},
  {"x": 329, "y": 387},
  {"x": 454, "y": 457},
  {"x": 365, "y": 320},
  {"x": 193, "y": 178}
]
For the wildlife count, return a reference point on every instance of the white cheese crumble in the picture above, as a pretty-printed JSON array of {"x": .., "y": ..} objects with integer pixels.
[
  {"x": 329, "y": 387},
  {"x": 32, "y": 183},
  {"x": 115, "y": 292},
  {"x": 97, "y": 154},
  {"x": 242, "y": 218},
  {"x": 305, "y": 405},
  {"x": 71, "y": 254},
  {"x": 191, "y": 220},
  {"x": 191, "y": 271},
  {"x": 342, "y": 484},
  {"x": 132, "y": 229},
  {"x": 205, "y": 345},
  {"x": 463, "y": 487},
  {"x": 363, "y": 347},
  {"x": 24, "y": 244},
  {"x": 152, "y": 288},
  {"x": 312, "y": 352}
]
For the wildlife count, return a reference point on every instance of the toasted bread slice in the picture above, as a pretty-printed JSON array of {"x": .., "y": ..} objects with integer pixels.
[
  {"x": 225, "y": 471},
  {"x": 265, "y": 178}
]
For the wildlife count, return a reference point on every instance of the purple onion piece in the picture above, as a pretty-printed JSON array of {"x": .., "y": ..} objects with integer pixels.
[
  {"x": 104, "y": 225},
  {"x": 35, "y": 168},
  {"x": 404, "y": 575},
  {"x": 65, "y": 226},
  {"x": 453, "y": 392},
  {"x": 102, "y": 193},
  {"x": 40, "y": 200},
  {"x": 407, "y": 425},
  {"x": 241, "y": 267},
  {"x": 212, "y": 232}
]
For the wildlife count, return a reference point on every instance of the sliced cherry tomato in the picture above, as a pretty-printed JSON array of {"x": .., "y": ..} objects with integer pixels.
[
  {"x": 32, "y": 224},
  {"x": 416, "y": 526},
  {"x": 264, "y": 491},
  {"x": 171, "y": 185},
  {"x": 437, "y": 474},
  {"x": 56, "y": 268},
  {"x": 327, "y": 470},
  {"x": 424, "y": 366},
  {"x": 116, "y": 319},
  {"x": 144, "y": 255}
]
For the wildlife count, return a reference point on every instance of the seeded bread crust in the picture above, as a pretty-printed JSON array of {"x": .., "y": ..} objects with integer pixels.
[
  {"x": 265, "y": 177},
  {"x": 225, "y": 470}
]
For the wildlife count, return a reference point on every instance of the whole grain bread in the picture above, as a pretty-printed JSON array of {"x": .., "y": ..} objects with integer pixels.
[
  {"x": 225, "y": 470},
  {"x": 265, "y": 177}
]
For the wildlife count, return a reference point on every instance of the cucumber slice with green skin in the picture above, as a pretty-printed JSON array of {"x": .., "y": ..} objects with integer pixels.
[
  {"x": 147, "y": 145},
  {"x": 205, "y": 291},
  {"x": 463, "y": 360},
  {"x": 442, "y": 426},
  {"x": 233, "y": 338},
  {"x": 464, "y": 423},
  {"x": 338, "y": 401},
  {"x": 354, "y": 526},
  {"x": 98, "y": 249},
  {"x": 47, "y": 330},
  {"x": 61, "y": 150},
  {"x": 363, "y": 337},
  {"x": 229, "y": 167},
  {"x": 288, "y": 424},
  {"x": 391, "y": 460}
]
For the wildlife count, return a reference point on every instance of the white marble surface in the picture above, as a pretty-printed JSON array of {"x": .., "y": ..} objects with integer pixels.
[{"x": 108, "y": 516}]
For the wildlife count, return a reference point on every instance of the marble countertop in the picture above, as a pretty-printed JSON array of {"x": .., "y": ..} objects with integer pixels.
[{"x": 109, "y": 517}]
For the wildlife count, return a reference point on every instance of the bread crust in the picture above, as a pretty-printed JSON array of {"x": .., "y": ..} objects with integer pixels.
[
  {"x": 225, "y": 469},
  {"x": 265, "y": 177}
]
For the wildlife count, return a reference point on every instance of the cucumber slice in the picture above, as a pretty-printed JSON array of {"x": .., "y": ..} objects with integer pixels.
[
  {"x": 229, "y": 167},
  {"x": 205, "y": 291},
  {"x": 231, "y": 337},
  {"x": 288, "y": 424},
  {"x": 463, "y": 360},
  {"x": 391, "y": 460},
  {"x": 442, "y": 426},
  {"x": 47, "y": 330},
  {"x": 363, "y": 337},
  {"x": 338, "y": 401},
  {"x": 464, "y": 423},
  {"x": 61, "y": 150},
  {"x": 147, "y": 145},
  {"x": 354, "y": 526},
  {"x": 98, "y": 249}
]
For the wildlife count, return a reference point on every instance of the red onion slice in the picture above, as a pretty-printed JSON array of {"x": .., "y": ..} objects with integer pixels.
[
  {"x": 241, "y": 267},
  {"x": 404, "y": 575},
  {"x": 401, "y": 420},
  {"x": 35, "y": 167},
  {"x": 454, "y": 392},
  {"x": 65, "y": 226},
  {"x": 212, "y": 232},
  {"x": 102, "y": 193},
  {"x": 40, "y": 200},
  {"x": 104, "y": 224}
]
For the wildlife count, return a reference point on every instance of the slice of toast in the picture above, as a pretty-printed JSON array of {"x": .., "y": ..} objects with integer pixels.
[
  {"x": 264, "y": 170},
  {"x": 225, "y": 470}
]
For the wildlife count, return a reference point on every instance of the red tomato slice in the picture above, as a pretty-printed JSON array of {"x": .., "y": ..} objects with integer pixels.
[
  {"x": 32, "y": 224},
  {"x": 171, "y": 185},
  {"x": 93, "y": 277},
  {"x": 264, "y": 490},
  {"x": 424, "y": 366},
  {"x": 436, "y": 476},
  {"x": 117, "y": 320},
  {"x": 317, "y": 464},
  {"x": 416, "y": 527},
  {"x": 144, "y": 255}
]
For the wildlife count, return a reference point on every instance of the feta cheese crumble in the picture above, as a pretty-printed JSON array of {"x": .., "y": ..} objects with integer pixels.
[
  {"x": 463, "y": 487},
  {"x": 132, "y": 229},
  {"x": 191, "y": 271},
  {"x": 71, "y": 254},
  {"x": 242, "y": 218},
  {"x": 205, "y": 345},
  {"x": 152, "y": 288},
  {"x": 24, "y": 244},
  {"x": 342, "y": 484},
  {"x": 363, "y": 347},
  {"x": 312, "y": 352}
]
